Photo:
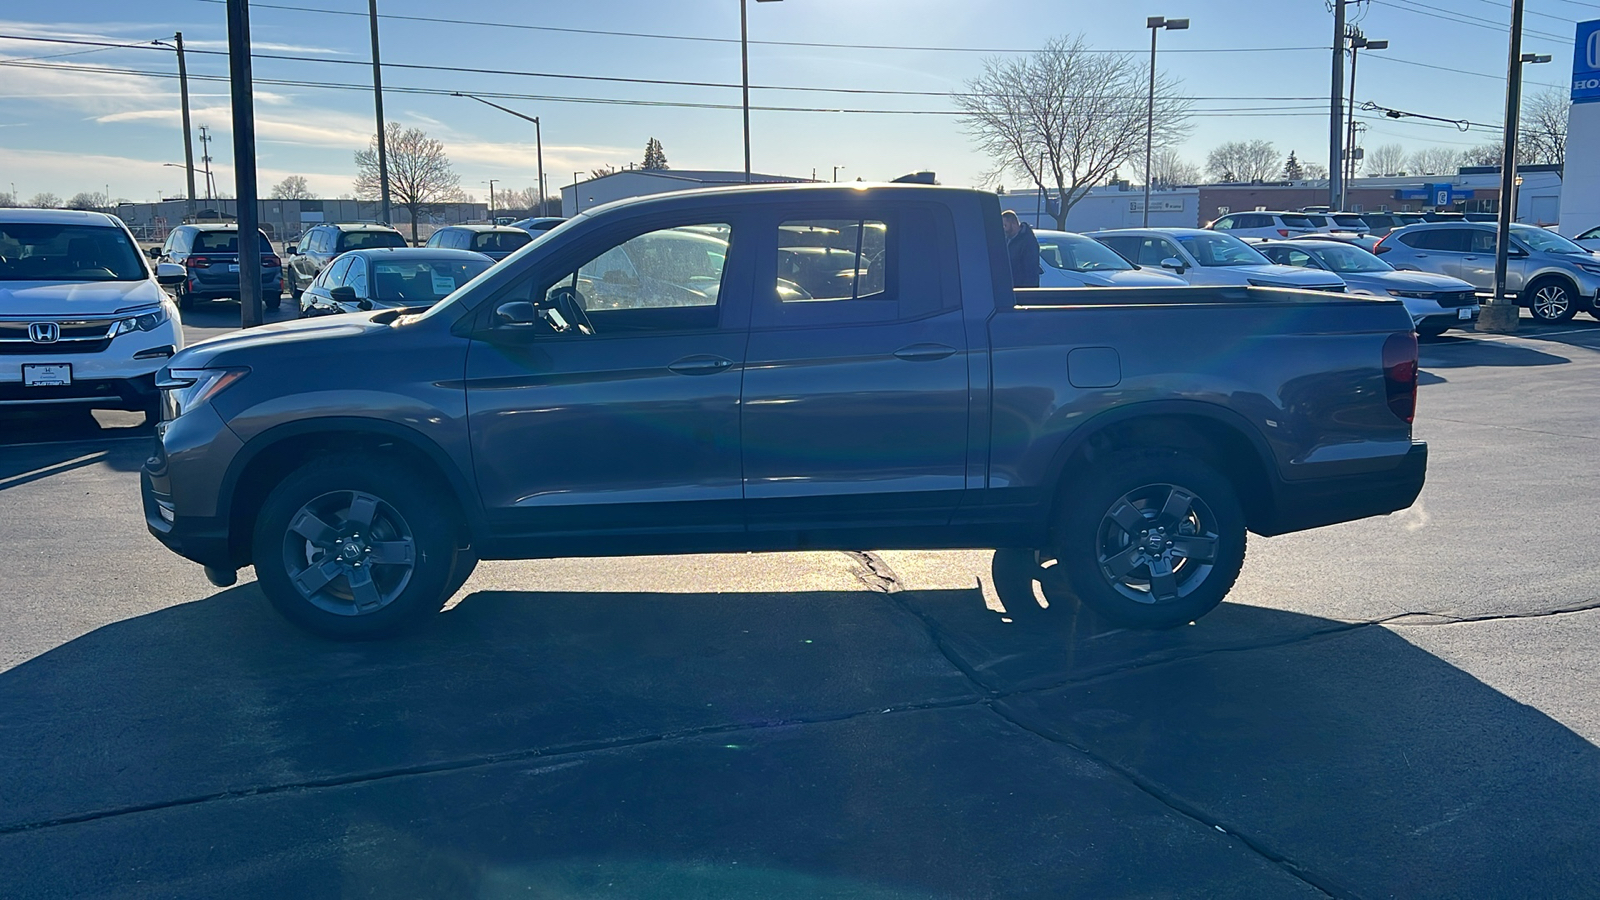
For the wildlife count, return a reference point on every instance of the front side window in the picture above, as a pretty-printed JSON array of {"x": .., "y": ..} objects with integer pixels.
[
  {"x": 1541, "y": 239},
  {"x": 334, "y": 275},
  {"x": 1224, "y": 224},
  {"x": 1153, "y": 250},
  {"x": 1076, "y": 253},
  {"x": 357, "y": 278},
  {"x": 831, "y": 259},
  {"x": 38, "y": 251}
]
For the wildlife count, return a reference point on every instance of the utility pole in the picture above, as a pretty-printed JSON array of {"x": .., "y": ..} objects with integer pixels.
[
  {"x": 244, "y": 162},
  {"x": 1501, "y": 314},
  {"x": 1336, "y": 108},
  {"x": 836, "y": 173},
  {"x": 188, "y": 140},
  {"x": 491, "y": 199},
  {"x": 377, "y": 102},
  {"x": 205, "y": 157}
]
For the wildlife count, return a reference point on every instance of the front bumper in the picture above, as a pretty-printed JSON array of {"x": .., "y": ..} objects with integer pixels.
[
  {"x": 1313, "y": 503},
  {"x": 182, "y": 483}
]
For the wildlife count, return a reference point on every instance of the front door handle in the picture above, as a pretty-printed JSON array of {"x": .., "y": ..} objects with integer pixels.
[
  {"x": 700, "y": 365},
  {"x": 924, "y": 352}
]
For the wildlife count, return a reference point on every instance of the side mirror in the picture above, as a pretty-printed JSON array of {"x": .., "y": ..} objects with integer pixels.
[
  {"x": 344, "y": 293},
  {"x": 170, "y": 273},
  {"x": 515, "y": 314},
  {"x": 1516, "y": 253},
  {"x": 291, "y": 250},
  {"x": 1173, "y": 263},
  {"x": 153, "y": 252}
]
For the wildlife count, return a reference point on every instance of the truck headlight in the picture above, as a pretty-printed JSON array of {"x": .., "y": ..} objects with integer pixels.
[{"x": 184, "y": 389}]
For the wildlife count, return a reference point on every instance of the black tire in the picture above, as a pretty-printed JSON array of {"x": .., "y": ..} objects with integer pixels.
[
  {"x": 1015, "y": 572},
  {"x": 308, "y": 524},
  {"x": 273, "y": 302},
  {"x": 1551, "y": 300},
  {"x": 185, "y": 299},
  {"x": 294, "y": 288},
  {"x": 1153, "y": 516}
]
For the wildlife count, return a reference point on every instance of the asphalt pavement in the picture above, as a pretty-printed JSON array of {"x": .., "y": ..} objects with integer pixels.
[{"x": 1397, "y": 707}]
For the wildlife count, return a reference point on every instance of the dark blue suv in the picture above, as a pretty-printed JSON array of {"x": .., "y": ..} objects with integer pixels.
[{"x": 210, "y": 254}]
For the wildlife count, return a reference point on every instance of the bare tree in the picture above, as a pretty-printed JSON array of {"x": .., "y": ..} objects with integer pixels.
[
  {"x": 1436, "y": 161},
  {"x": 87, "y": 200},
  {"x": 419, "y": 172},
  {"x": 1544, "y": 127},
  {"x": 1315, "y": 171},
  {"x": 8, "y": 199},
  {"x": 1248, "y": 161},
  {"x": 45, "y": 200},
  {"x": 1068, "y": 118},
  {"x": 293, "y": 187},
  {"x": 1387, "y": 159},
  {"x": 1169, "y": 170}
]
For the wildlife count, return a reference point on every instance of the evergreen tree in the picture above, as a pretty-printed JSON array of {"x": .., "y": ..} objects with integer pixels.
[
  {"x": 654, "y": 156},
  {"x": 1292, "y": 170}
]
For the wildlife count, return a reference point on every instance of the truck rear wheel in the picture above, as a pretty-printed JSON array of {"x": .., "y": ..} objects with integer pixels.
[
  {"x": 1152, "y": 541},
  {"x": 351, "y": 553}
]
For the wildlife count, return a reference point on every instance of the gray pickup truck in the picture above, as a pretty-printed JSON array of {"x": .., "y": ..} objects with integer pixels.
[{"x": 782, "y": 368}]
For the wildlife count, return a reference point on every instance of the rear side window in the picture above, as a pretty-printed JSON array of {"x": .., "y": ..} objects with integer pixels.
[
  {"x": 832, "y": 259},
  {"x": 1224, "y": 223},
  {"x": 500, "y": 241},
  {"x": 1298, "y": 222},
  {"x": 1481, "y": 242},
  {"x": 1355, "y": 222},
  {"x": 363, "y": 240},
  {"x": 1449, "y": 240},
  {"x": 1126, "y": 247}
]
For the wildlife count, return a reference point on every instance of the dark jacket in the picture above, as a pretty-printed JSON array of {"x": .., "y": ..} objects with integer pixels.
[{"x": 1023, "y": 248}]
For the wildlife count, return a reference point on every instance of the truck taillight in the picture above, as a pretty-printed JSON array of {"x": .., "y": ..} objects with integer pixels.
[
  {"x": 1283, "y": 232},
  {"x": 1400, "y": 374},
  {"x": 197, "y": 262},
  {"x": 271, "y": 261},
  {"x": 1379, "y": 249}
]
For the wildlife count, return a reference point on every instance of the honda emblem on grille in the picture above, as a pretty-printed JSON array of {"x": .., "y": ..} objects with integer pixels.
[{"x": 44, "y": 332}]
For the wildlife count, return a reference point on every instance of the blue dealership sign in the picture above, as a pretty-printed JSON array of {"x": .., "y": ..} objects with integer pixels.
[{"x": 1586, "y": 63}]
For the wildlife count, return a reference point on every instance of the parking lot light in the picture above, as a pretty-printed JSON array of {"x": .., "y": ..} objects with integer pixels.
[
  {"x": 1154, "y": 23},
  {"x": 744, "y": 66}
]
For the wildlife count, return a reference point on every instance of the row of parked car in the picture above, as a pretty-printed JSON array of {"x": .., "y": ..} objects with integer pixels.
[{"x": 1437, "y": 269}]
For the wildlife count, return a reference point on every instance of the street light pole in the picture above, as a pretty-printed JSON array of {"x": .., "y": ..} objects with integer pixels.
[
  {"x": 1358, "y": 42},
  {"x": 377, "y": 102},
  {"x": 491, "y": 199},
  {"x": 1155, "y": 24},
  {"x": 244, "y": 162},
  {"x": 577, "y": 199},
  {"x": 1501, "y": 314},
  {"x": 538, "y": 137},
  {"x": 836, "y": 173}
]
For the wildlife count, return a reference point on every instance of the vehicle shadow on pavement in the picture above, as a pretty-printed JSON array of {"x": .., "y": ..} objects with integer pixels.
[
  {"x": 783, "y": 745},
  {"x": 1466, "y": 354},
  {"x": 42, "y": 426},
  {"x": 26, "y": 463}
]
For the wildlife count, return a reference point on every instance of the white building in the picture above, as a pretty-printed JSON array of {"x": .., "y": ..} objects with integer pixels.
[{"x": 625, "y": 183}]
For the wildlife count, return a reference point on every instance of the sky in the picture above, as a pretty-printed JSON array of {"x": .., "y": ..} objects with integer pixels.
[{"x": 89, "y": 122}]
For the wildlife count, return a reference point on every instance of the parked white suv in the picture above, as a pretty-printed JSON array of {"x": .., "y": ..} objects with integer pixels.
[
  {"x": 1271, "y": 225},
  {"x": 83, "y": 320}
]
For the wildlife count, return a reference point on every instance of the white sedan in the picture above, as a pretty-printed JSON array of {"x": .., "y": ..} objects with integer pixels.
[{"x": 1072, "y": 260}]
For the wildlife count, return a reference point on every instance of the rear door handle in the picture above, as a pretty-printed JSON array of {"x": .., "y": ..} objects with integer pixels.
[
  {"x": 700, "y": 365},
  {"x": 924, "y": 352}
]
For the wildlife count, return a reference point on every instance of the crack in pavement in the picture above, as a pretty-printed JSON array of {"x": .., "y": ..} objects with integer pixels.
[
  {"x": 1589, "y": 605},
  {"x": 474, "y": 762}
]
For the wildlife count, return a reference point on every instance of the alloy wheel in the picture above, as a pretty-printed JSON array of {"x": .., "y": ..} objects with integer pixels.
[
  {"x": 1551, "y": 302},
  {"x": 1157, "y": 543},
  {"x": 349, "y": 553}
]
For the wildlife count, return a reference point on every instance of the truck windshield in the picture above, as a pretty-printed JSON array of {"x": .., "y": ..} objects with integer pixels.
[
  {"x": 41, "y": 251},
  {"x": 1076, "y": 253},
  {"x": 1216, "y": 249}
]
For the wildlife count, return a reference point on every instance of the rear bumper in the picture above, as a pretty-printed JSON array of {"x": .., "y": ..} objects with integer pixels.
[{"x": 1299, "y": 505}]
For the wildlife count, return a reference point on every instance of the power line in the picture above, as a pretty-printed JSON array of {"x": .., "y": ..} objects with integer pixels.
[
  {"x": 720, "y": 40},
  {"x": 100, "y": 48},
  {"x": 609, "y": 101},
  {"x": 284, "y": 57},
  {"x": 1459, "y": 18},
  {"x": 1411, "y": 62},
  {"x": 1531, "y": 12}
]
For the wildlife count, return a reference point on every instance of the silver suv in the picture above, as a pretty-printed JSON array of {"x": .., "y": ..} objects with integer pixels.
[{"x": 1551, "y": 276}]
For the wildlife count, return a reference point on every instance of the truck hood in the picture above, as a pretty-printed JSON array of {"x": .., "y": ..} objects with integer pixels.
[
  {"x": 76, "y": 298},
  {"x": 236, "y": 348}
]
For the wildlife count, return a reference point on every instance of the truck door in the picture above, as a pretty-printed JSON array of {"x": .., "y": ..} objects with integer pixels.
[
  {"x": 604, "y": 396},
  {"x": 855, "y": 397}
]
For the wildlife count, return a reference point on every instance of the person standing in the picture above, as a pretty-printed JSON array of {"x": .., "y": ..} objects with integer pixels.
[{"x": 1022, "y": 248}]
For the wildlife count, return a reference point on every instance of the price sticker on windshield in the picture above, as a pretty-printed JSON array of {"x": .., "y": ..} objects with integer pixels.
[{"x": 443, "y": 284}]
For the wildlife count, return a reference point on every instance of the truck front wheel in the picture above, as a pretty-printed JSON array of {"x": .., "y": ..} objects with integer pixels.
[
  {"x": 354, "y": 552},
  {"x": 1155, "y": 540}
]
